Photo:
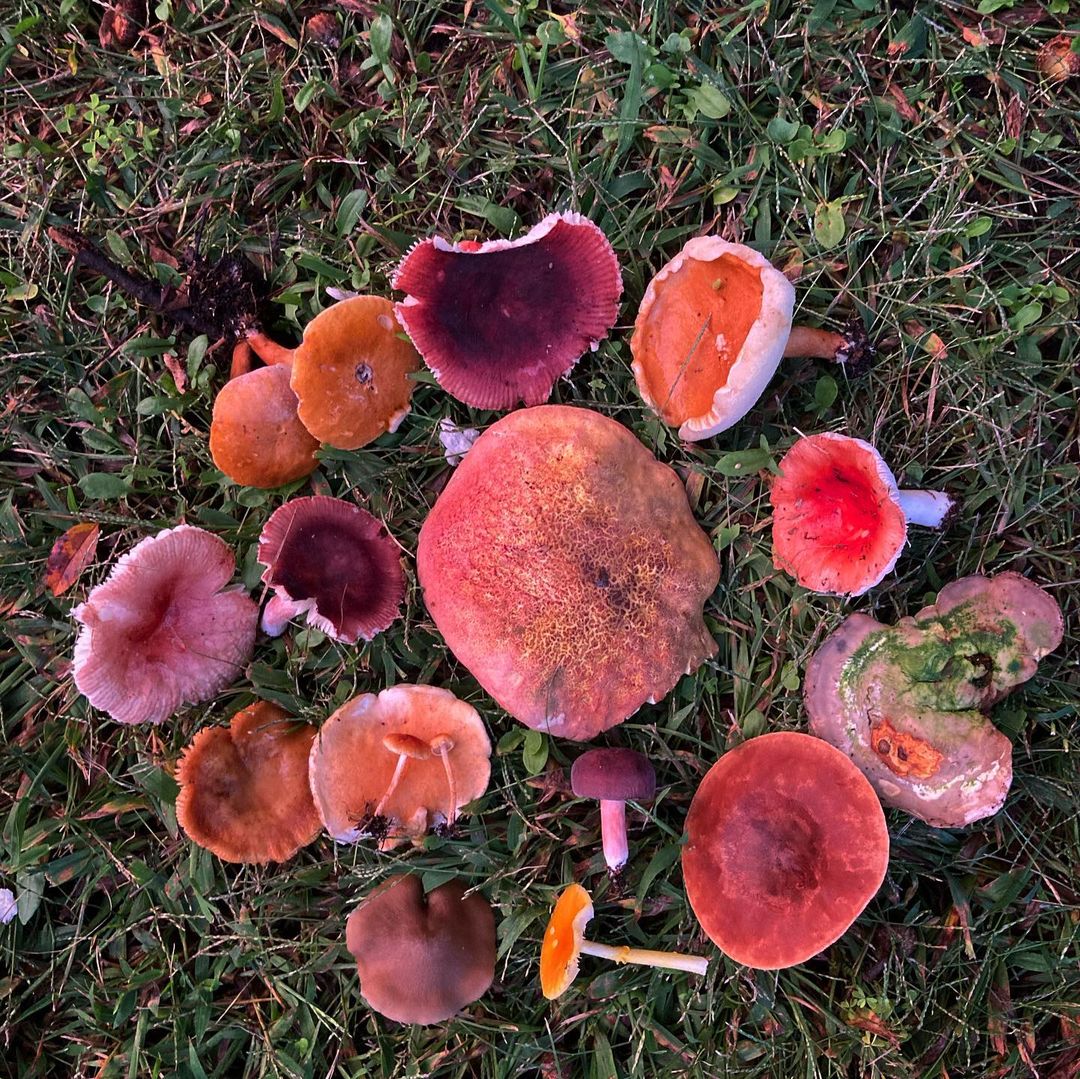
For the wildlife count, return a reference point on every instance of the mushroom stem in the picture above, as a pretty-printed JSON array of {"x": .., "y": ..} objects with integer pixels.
[
  {"x": 395, "y": 779},
  {"x": 241, "y": 359},
  {"x": 927, "y": 508},
  {"x": 279, "y": 612},
  {"x": 441, "y": 744},
  {"x": 268, "y": 350},
  {"x": 407, "y": 748},
  {"x": 613, "y": 831},
  {"x": 646, "y": 957},
  {"x": 852, "y": 347}
]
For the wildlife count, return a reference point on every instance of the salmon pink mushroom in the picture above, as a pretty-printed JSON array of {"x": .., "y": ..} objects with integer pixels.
[
  {"x": 164, "y": 630},
  {"x": 839, "y": 521},
  {"x": 500, "y": 322},
  {"x": 564, "y": 568},
  {"x": 333, "y": 562}
]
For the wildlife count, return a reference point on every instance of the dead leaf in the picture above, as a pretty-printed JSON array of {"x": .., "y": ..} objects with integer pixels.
[
  {"x": 903, "y": 106},
  {"x": 1015, "y": 113},
  {"x": 176, "y": 369},
  {"x": 867, "y": 1019},
  {"x": 931, "y": 342},
  {"x": 71, "y": 554}
]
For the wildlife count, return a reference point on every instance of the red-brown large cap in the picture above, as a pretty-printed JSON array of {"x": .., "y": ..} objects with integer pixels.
[
  {"x": 336, "y": 563},
  {"x": 613, "y": 775},
  {"x": 244, "y": 792},
  {"x": 787, "y": 846},
  {"x": 164, "y": 630},
  {"x": 422, "y": 958},
  {"x": 564, "y": 568},
  {"x": 500, "y": 322}
]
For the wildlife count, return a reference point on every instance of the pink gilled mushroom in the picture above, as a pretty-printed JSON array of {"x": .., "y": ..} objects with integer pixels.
[
  {"x": 839, "y": 520},
  {"x": 164, "y": 630},
  {"x": 333, "y": 562},
  {"x": 500, "y": 322}
]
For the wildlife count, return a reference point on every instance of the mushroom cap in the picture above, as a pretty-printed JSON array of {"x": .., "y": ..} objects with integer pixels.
[
  {"x": 613, "y": 775},
  {"x": 908, "y": 703},
  {"x": 564, "y": 568},
  {"x": 561, "y": 950},
  {"x": 500, "y": 322},
  {"x": 837, "y": 522},
  {"x": 339, "y": 561},
  {"x": 421, "y": 959},
  {"x": 787, "y": 846},
  {"x": 244, "y": 792},
  {"x": 163, "y": 630},
  {"x": 350, "y": 767},
  {"x": 351, "y": 373},
  {"x": 710, "y": 334},
  {"x": 256, "y": 437}
]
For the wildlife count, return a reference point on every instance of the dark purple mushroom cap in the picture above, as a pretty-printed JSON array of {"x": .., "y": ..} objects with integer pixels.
[
  {"x": 337, "y": 561},
  {"x": 500, "y": 322},
  {"x": 613, "y": 775}
]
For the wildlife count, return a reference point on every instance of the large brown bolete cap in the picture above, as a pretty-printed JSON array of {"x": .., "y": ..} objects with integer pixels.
[
  {"x": 422, "y": 958},
  {"x": 564, "y": 568},
  {"x": 909, "y": 703},
  {"x": 787, "y": 845},
  {"x": 244, "y": 790}
]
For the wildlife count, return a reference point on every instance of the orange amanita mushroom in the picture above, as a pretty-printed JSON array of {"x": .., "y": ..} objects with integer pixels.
[
  {"x": 711, "y": 331},
  {"x": 244, "y": 792},
  {"x": 787, "y": 845},
  {"x": 564, "y": 943},
  {"x": 564, "y": 568}
]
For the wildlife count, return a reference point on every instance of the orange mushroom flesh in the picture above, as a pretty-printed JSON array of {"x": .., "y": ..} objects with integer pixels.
[{"x": 564, "y": 943}]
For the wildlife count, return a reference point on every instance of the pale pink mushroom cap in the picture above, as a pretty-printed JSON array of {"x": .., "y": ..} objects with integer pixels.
[{"x": 163, "y": 630}]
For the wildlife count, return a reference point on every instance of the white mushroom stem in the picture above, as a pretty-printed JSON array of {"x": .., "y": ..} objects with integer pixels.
[
  {"x": 613, "y": 831},
  {"x": 441, "y": 744},
  {"x": 927, "y": 508},
  {"x": 279, "y": 612},
  {"x": 646, "y": 957},
  {"x": 407, "y": 748}
]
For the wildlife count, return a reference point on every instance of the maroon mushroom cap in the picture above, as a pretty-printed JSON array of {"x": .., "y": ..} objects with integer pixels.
[
  {"x": 613, "y": 775},
  {"x": 500, "y": 322},
  {"x": 334, "y": 562}
]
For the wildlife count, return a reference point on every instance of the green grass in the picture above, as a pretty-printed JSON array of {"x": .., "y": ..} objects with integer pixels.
[{"x": 927, "y": 184}]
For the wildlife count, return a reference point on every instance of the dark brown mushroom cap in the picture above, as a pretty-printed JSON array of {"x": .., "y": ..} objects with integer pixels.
[
  {"x": 613, "y": 775},
  {"x": 787, "y": 845},
  {"x": 421, "y": 959}
]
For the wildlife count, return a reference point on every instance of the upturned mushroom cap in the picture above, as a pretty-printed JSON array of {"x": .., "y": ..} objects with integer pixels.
[
  {"x": 908, "y": 703},
  {"x": 351, "y": 373},
  {"x": 500, "y": 322},
  {"x": 710, "y": 334},
  {"x": 421, "y": 959},
  {"x": 787, "y": 845},
  {"x": 336, "y": 563},
  {"x": 564, "y": 568},
  {"x": 346, "y": 792},
  {"x": 561, "y": 949},
  {"x": 164, "y": 630},
  {"x": 244, "y": 792},
  {"x": 613, "y": 775},
  {"x": 256, "y": 437}
]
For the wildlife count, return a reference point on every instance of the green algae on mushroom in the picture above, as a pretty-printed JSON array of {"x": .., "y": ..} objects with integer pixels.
[{"x": 909, "y": 703}]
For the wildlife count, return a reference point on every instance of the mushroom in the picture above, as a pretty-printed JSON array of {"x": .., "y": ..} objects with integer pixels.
[
  {"x": 909, "y": 703},
  {"x": 333, "y": 562},
  {"x": 244, "y": 792},
  {"x": 839, "y": 521},
  {"x": 614, "y": 776},
  {"x": 164, "y": 630},
  {"x": 500, "y": 322},
  {"x": 711, "y": 331},
  {"x": 422, "y": 958},
  {"x": 564, "y": 568},
  {"x": 787, "y": 845},
  {"x": 564, "y": 943},
  {"x": 424, "y": 755}
]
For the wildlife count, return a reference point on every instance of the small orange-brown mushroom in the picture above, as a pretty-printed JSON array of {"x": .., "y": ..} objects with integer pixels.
[{"x": 244, "y": 792}]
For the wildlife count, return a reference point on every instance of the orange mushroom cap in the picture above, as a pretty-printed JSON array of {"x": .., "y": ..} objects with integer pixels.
[
  {"x": 710, "y": 334},
  {"x": 561, "y": 950},
  {"x": 564, "y": 568},
  {"x": 351, "y": 373},
  {"x": 256, "y": 437},
  {"x": 244, "y": 792}
]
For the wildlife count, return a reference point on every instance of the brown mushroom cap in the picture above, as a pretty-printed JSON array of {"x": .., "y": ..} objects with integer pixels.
[
  {"x": 564, "y": 568},
  {"x": 244, "y": 792},
  {"x": 787, "y": 845},
  {"x": 908, "y": 703},
  {"x": 351, "y": 373},
  {"x": 256, "y": 437},
  {"x": 421, "y": 959},
  {"x": 613, "y": 775},
  {"x": 351, "y": 767}
]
